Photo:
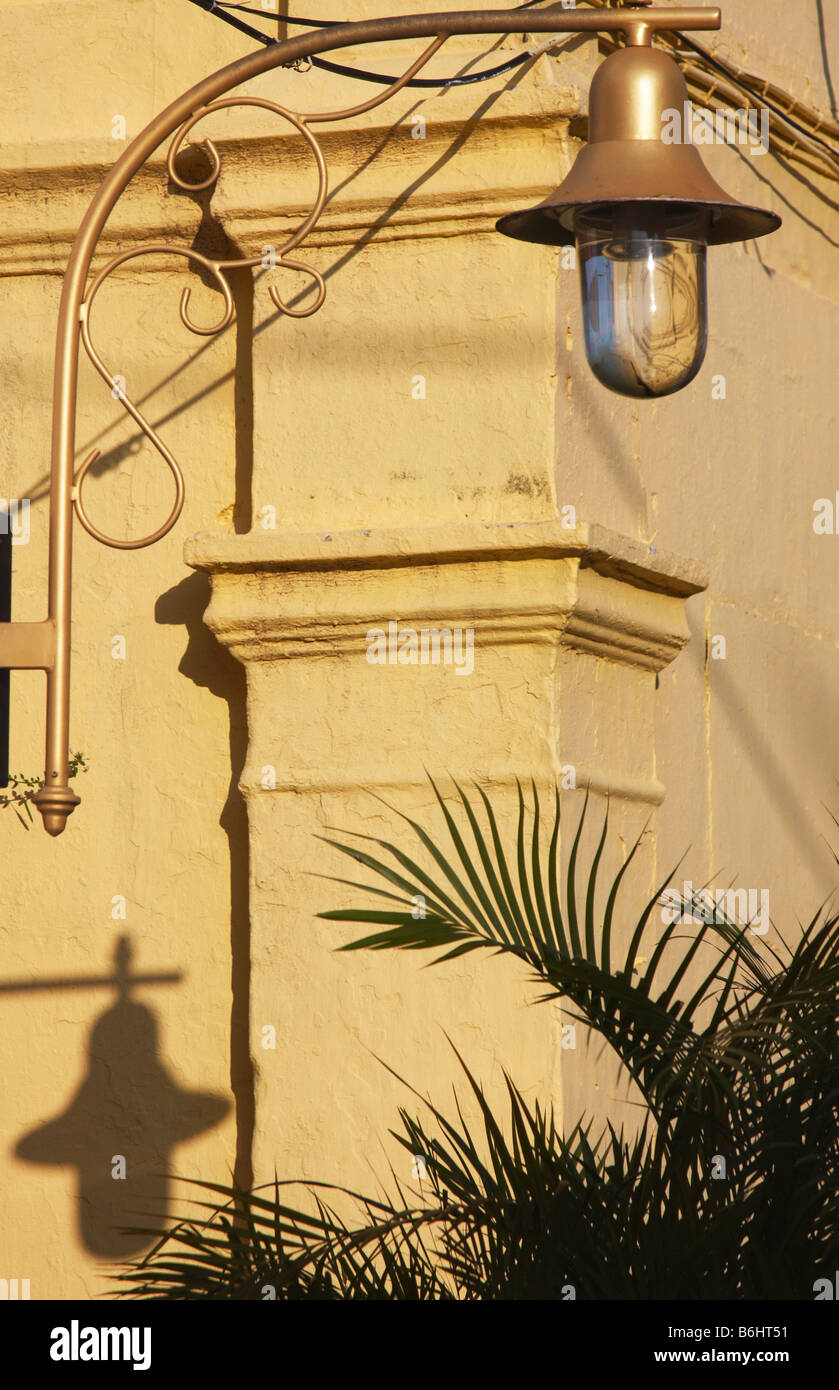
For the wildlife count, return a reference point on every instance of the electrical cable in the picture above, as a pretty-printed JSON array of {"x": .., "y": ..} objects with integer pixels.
[
  {"x": 386, "y": 81},
  {"x": 325, "y": 23},
  {"x": 213, "y": 8},
  {"x": 221, "y": 9},
  {"x": 738, "y": 82}
]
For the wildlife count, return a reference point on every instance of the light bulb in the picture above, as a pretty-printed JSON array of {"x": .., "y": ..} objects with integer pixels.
[{"x": 642, "y": 273}]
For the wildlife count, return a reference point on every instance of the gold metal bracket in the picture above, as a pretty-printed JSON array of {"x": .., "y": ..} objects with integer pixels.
[
  {"x": 28, "y": 646},
  {"x": 46, "y": 645}
]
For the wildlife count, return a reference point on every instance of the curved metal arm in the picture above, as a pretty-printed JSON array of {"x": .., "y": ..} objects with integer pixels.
[{"x": 47, "y": 645}]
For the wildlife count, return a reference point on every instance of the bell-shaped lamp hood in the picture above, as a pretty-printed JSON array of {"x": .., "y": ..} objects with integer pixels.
[{"x": 637, "y": 95}]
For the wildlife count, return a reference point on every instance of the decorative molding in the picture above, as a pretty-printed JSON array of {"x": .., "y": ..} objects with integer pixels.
[
  {"x": 284, "y": 596},
  {"x": 279, "y": 598},
  {"x": 606, "y": 552},
  {"x": 646, "y": 791},
  {"x": 380, "y": 184},
  {"x": 616, "y": 620}
]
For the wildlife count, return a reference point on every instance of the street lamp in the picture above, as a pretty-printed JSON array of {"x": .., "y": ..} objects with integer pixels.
[{"x": 640, "y": 211}]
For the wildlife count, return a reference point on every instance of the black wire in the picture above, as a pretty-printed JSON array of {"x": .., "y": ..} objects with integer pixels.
[
  {"x": 422, "y": 81},
  {"x": 220, "y": 8},
  {"x": 212, "y": 8},
  {"x": 287, "y": 18},
  {"x": 325, "y": 23}
]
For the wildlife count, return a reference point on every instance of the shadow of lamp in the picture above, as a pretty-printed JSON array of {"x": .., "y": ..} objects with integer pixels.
[
  {"x": 125, "y": 1118},
  {"x": 641, "y": 212}
]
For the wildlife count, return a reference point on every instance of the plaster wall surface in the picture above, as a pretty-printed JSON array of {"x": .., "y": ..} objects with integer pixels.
[{"x": 389, "y": 459}]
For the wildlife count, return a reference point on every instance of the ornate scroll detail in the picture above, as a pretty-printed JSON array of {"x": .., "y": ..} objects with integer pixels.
[
  {"x": 218, "y": 270},
  {"x": 283, "y": 260}
]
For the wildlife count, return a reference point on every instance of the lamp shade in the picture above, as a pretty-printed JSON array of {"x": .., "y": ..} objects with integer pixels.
[{"x": 627, "y": 160}]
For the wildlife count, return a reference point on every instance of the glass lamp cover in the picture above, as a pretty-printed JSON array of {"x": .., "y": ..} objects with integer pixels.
[{"x": 642, "y": 273}]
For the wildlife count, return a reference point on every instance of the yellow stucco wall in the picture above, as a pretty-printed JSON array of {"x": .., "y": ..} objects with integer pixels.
[{"x": 386, "y": 507}]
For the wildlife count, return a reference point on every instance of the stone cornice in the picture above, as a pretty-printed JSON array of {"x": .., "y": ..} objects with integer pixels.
[
  {"x": 610, "y": 554},
  {"x": 455, "y": 180},
  {"x": 278, "y": 595},
  {"x": 648, "y": 791}
]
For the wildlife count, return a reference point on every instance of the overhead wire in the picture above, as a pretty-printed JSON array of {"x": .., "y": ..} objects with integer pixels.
[
  {"x": 221, "y": 8},
  {"x": 797, "y": 131}
]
